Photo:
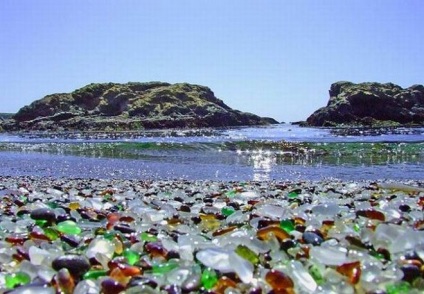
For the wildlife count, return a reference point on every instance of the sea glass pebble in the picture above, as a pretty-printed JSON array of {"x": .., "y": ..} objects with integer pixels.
[
  {"x": 68, "y": 227},
  {"x": 76, "y": 264}
]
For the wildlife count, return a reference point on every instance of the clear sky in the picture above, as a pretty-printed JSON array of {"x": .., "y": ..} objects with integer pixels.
[{"x": 274, "y": 58}]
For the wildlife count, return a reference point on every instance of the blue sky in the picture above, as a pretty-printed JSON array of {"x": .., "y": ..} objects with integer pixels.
[{"x": 274, "y": 58}]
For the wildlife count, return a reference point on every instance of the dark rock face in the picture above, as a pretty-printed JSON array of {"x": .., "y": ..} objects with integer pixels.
[
  {"x": 370, "y": 104},
  {"x": 130, "y": 106}
]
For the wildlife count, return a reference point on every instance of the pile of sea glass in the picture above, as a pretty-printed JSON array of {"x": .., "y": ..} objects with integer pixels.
[{"x": 129, "y": 236}]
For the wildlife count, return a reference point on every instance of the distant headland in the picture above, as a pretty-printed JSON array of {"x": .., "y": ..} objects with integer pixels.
[
  {"x": 130, "y": 106},
  {"x": 157, "y": 105},
  {"x": 371, "y": 104}
]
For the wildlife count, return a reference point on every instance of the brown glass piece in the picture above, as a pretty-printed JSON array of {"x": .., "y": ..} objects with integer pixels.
[
  {"x": 264, "y": 233},
  {"x": 351, "y": 270},
  {"x": 279, "y": 281}
]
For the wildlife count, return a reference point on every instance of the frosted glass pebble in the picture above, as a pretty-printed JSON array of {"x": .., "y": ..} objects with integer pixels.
[
  {"x": 33, "y": 290},
  {"x": 327, "y": 209},
  {"x": 406, "y": 240},
  {"x": 248, "y": 194},
  {"x": 302, "y": 276},
  {"x": 216, "y": 258},
  {"x": 272, "y": 211},
  {"x": 242, "y": 267},
  {"x": 37, "y": 255},
  {"x": 177, "y": 276},
  {"x": 100, "y": 245},
  {"x": 329, "y": 255},
  {"x": 169, "y": 244},
  {"x": 87, "y": 287},
  {"x": 237, "y": 217},
  {"x": 385, "y": 234}
]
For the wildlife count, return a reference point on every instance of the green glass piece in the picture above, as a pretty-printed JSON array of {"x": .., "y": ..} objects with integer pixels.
[
  {"x": 52, "y": 204},
  {"x": 227, "y": 211},
  {"x": 247, "y": 254},
  {"x": 94, "y": 274},
  {"x": 107, "y": 197},
  {"x": 231, "y": 193},
  {"x": 41, "y": 223},
  {"x": 292, "y": 194},
  {"x": 398, "y": 288},
  {"x": 209, "y": 278},
  {"x": 17, "y": 279},
  {"x": 68, "y": 227},
  {"x": 51, "y": 233},
  {"x": 99, "y": 231},
  {"x": 356, "y": 228},
  {"x": 377, "y": 255},
  {"x": 131, "y": 256},
  {"x": 316, "y": 274},
  {"x": 148, "y": 237},
  {"x": 287, "y": 225},
  {"x": 164, "y": 268},
  {"x": 109, "y": 235}
]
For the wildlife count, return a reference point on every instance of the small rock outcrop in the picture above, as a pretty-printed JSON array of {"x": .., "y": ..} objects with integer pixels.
[
  {"x": 371, "y": 104},
  {"x": 130, "y": 106}
]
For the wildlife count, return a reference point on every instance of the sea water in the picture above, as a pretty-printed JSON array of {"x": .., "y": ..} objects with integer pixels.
[{"x": 278, "y": 152}]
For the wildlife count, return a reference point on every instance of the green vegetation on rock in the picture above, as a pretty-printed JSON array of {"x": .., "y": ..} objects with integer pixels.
[
  {"x": 371, "y": 104},
  {"x": 130, "y": 106}
]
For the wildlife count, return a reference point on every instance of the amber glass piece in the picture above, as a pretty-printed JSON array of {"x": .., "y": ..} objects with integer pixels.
[
  {"x": 279, "y": 281},
  {"x": 278, "y": 232},
  {"x": 299, "y": 221},
  {"x": 107, "y": 191},
  {"x": 109, "y": 226},
  {"x": 126, "y": 269},
  {"x": 113, "y": 217},
  {"x": 174, "y": 221},
  {"x": 224, "y": 231},
  {"x": 74, "y": 205},
  {"x": 119, "y": 276},
  {"x": 371, "y": 214},
  {"x": 65, "y": 282},
  {"x": 224, "y": 283},
  {"x": 419, "y": 225},
  {"x": 303, "y": 253},
  {"x": 129, "y": 270},
  {"x": 325, "y": 228},
  {"x": 415, "y": 262},
  {"x": 421, "y": 202},
  {"x": 209, "y": 222},
  {"x": 351, "y": 270},
  {"x": 119, "y": 247}
]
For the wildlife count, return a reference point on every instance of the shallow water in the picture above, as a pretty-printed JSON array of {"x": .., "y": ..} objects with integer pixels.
[{"x": 277, "y": 152}]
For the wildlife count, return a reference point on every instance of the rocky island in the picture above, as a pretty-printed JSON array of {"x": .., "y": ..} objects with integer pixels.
[
  {"x": 130, "y": 106},
  {"x": 371, "y": 104}
]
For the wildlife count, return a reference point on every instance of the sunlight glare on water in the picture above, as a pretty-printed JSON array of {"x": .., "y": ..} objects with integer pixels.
[{"x": 262, "y": 153}]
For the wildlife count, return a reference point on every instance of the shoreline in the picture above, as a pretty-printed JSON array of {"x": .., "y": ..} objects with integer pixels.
[{"x": 198, "y": 236}]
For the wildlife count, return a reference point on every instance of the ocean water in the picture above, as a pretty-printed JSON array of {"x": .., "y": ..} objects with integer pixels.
[{"x": 279, "y": 152}]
